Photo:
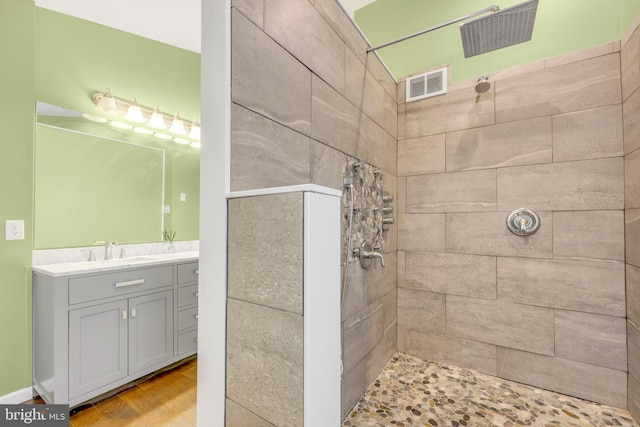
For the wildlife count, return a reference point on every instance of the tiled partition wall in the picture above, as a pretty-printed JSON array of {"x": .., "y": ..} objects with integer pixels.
[
  {"x": 305, "y": 93},
  {"x": 546, "y": 310},
  {"x": 631, "y": 119}
]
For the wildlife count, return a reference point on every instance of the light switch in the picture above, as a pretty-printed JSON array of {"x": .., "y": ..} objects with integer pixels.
[
  {"x": 183, "y": 197},
  {"x": 14, "y": 229},
  {"x": 166, "y": 209}
]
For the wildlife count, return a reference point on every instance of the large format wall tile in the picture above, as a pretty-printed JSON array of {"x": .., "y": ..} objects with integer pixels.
[
  {"x": 472, "y": 191},
  {"x": 327, "y": 166},
  {"x": 379, "y": 281},
  {"x": 236, "y": 415},
  {"x": 457, "y": 110},
  {"x": 594, "y": 287},
  {"x": 354, "y": 292},
  {"x": 577, "y": 86},
  {"x": 339, "y": 124},
  {"x": 591, "y": 338},
  {"x": 422, "y": 233},
  {"x": 343, "y": 26},
  {"x": 315, "y": 43},
  {"x": 589, "y": 234},
  {"x": 633, "y": 295},
  {"x": 633, "y": 334},
  {"x": 487, "y": 234},
  {"x": 451, "y": 274},
  {"x": 581, "y": 185},
  {"x": 265, "y": 362},
  {"x": 419, "y": 156},
  {"x": 379, "y": 105},
  {"x": 456, "y": 351},
  {"x": 510, "y": 144},
  {"x": 502, "y": 323},
  {"x": 633, "y": 402},
  {"x": 355, "y": 381},
  {"x": 578, "y": 379},
  {"x": 252, "y": 9},
  {"x": 361, "y": 333},
  {"x": 632, "y": 236},
  {"x": 589, "y": 134},
  {"x": 421, "y": 311},
  {"x": 630, "y": 114},
  {"x": 632, "y": 180},
  {"x": 267, "y": 79},
  {"x": 630, "y": 65},
  {"x": 264, "y": 153},
  {"x": 265, "y": 250}
]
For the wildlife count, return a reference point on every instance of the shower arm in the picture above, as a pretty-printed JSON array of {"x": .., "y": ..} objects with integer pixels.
[{"x": 494, "y": 8}]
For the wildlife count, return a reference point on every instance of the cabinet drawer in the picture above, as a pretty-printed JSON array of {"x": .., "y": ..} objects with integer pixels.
[
  {"x": 187, "y": 318},
  {"x": 89, "y": 288},
  {"x": 187, "y": 295},
  {"x": 188, "y": 342},
  {"x": 187, "y": 273}
]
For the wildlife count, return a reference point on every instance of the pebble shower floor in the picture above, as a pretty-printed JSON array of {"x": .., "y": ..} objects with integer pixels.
[{"x": 413, "y": 392}]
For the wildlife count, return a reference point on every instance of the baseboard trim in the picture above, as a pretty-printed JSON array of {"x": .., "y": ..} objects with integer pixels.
[{"x": 17, "y": 396}]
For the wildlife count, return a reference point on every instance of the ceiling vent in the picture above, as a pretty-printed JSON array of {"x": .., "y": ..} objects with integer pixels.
[{"x": 426, "y": 85}]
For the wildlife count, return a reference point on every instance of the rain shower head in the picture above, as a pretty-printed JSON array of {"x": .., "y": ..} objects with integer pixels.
[{"x": 501, "y": 29}]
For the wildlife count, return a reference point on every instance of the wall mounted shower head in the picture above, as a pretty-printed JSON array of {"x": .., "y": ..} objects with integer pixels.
[{"x": 483, "y": 84}]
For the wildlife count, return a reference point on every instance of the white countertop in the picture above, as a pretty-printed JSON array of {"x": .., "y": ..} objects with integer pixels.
[{"x": 74, "y": 268}]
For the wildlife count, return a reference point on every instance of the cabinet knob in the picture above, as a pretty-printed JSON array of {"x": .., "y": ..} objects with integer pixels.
[
  {"x": 195, "y": 293},
  {"x": 196, "y": 316},
  {"x": 124, "y": 315},
  {"x": 196, "y": 271}
]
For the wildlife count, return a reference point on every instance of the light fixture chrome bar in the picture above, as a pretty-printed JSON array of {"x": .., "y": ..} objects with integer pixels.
[{"x": 494, "y": 8}]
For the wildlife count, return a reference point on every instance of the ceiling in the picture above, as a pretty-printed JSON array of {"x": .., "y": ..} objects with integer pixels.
[{"x": 176, "y": 23}]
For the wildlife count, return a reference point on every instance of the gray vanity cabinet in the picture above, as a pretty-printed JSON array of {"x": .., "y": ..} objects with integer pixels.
[
  {"x": 95, "y": 332},
  {"x": 187, "y": 309}
]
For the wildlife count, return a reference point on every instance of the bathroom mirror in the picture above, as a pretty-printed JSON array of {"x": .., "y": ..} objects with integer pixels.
[{"x": 96, "y": 182}]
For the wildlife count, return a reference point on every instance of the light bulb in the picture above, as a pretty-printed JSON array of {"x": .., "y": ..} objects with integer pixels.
[
  {"x": 107, "y": 104},
  {"x": 162, "y": 136},
  {"x": 177, "y": 126},
  {"x": 142, "y": 131},
  {"x": 121, "y": 125},
  {"x": 157, "y": 119},
  {"x": 194, "y": 132},
  {"x": 134, "y": 112},
  {"x": 181, "y": 141}
]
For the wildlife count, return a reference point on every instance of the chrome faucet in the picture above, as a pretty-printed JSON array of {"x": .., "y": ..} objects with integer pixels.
[
  {"x": 108, "y": 249},
  {"x": 366, "y": 254}
]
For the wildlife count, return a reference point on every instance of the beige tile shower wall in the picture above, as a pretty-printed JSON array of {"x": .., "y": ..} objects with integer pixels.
[
  {"x": 630, "y": 60},
  {"x": 549, "y": 309},
  {"x": 304, "y": 95}
]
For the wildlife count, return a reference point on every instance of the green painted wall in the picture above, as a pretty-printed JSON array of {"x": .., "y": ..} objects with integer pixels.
[
  {"x": 89, "y": 188},
  {"x": 560, "y": 27},
  {"x": 16, "y": 183},
  {"x": 630, "y": 10}
]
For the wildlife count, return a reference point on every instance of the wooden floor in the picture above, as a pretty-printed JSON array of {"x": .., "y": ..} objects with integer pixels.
[{"x": 167, "y": 399}]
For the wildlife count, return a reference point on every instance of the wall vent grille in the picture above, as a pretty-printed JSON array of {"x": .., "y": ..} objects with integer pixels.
[{"x": 426, "y": 85}]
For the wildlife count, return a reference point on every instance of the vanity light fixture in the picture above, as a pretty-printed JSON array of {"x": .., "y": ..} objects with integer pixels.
[
  {"x": 194, "y": 133},
  {"x": 157, "y": 119},
  {"x": 106, "y": 103},
  {"x": 154, "y": 118},
  {"x": 134, "y": 112},
  {"x": 177, "y": 125}
]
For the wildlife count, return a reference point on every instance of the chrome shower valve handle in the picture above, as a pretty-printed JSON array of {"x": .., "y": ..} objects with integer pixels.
[{"x": 523, "y": 222}]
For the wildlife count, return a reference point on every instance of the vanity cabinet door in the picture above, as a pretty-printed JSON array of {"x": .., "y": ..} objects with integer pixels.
[
  {"x": 97, "y": 346},
  {"x": 150, "y": 330}
]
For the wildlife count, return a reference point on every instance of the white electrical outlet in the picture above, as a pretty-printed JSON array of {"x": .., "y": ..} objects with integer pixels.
[
  {"x": 183, "y": 197},
  {"x": 14, "y": 229}
]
